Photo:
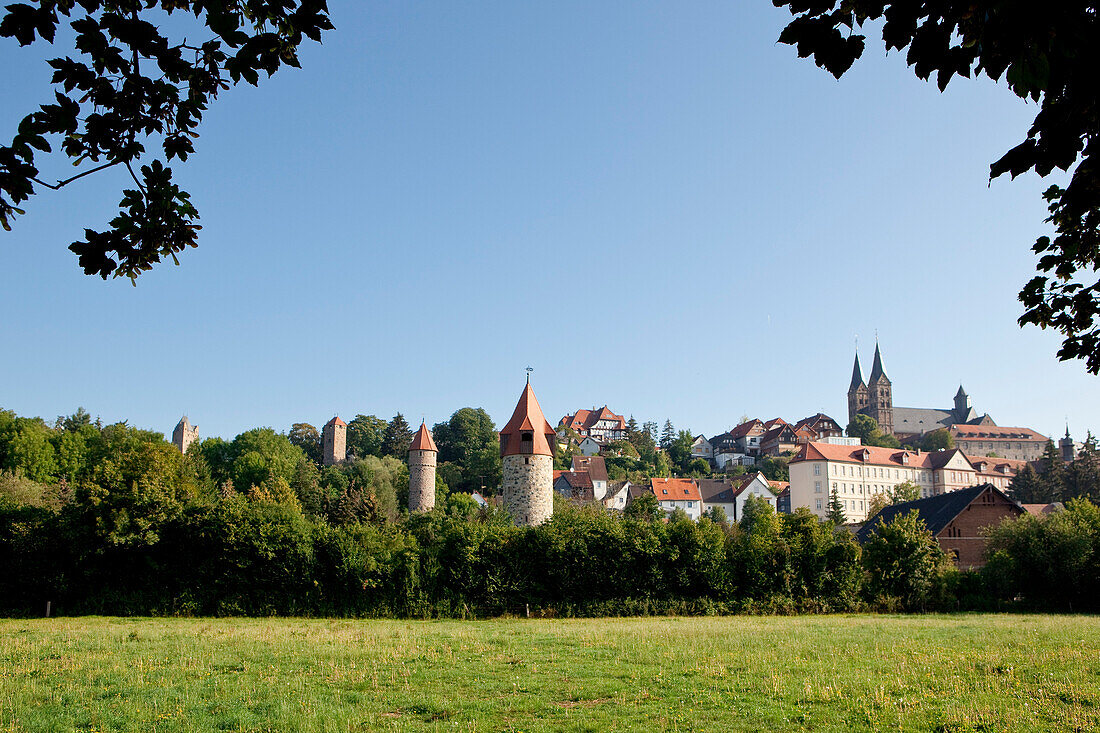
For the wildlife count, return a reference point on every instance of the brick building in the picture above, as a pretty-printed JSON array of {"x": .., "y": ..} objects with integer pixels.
[{"x": 956, "y": 520}]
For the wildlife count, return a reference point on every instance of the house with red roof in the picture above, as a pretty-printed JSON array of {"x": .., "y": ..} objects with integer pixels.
[
  {"x": 678, "y": 493},
  {"x": 602, "y": 425},
  {"x": 731, "y": 496}
]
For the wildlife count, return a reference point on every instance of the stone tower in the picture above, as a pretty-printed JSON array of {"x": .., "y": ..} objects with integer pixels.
[
  {"x": 527, "y": 445},
  {"x": 882, "y": 396},
  {"x": 1068, "y": 449},
  {"x": 422, "y": 454},
  {"x": 858, "y": 397},
  {"x": 185, "y": 434},
  {"x": 334, "y": 441}
]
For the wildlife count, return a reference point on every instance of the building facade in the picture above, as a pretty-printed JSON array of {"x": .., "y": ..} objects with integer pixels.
[
  {"x": 678, "y": 493},
  {"x": 1018, "y": 444},
  {"x": 602, "y": 425}
]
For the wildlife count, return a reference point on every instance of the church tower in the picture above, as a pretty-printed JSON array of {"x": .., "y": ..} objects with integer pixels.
[
  {"x": 882, "y": 396},
  {"x": 185, "y": 434},
  {"x": 334, "y": 441},
  {"x": 1068, "y": 449},
  {"x": 527, "y": 445},
  {"x": 858, "y": 396},
  {"x": 962, "y": 405},
  {"x": 422, "y": 455}
]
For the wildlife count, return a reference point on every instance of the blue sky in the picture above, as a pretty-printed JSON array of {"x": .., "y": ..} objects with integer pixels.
[{"x": 653, "y": 204}]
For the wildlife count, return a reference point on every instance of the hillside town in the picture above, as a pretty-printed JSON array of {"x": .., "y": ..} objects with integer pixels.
[{"x": 951, "y": 463}]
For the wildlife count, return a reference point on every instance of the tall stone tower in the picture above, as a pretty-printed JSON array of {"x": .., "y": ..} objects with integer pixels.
[
  {"x": 422, "y": 455},
  {"x": 185, "y": 434},
  {"x": 334, "y": 441},
  {"x": 527, "y": 445},
  {"x": 882, "y": 396},
  {"x": 1067, "y": 447},
  {"x": 962, "y": 405},
  {"x": 858, "y": 397}
]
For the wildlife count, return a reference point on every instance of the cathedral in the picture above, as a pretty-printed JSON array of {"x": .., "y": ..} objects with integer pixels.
[{"x": 875, "y": 398}]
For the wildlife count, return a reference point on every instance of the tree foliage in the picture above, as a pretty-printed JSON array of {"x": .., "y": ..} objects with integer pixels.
[
  {"x": 1047, "y": 53},
  {"x": 131, "y": 84}
]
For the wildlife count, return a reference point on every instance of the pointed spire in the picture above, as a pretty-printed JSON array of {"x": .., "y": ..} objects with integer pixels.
[
  {"x": 423, "y": 439},
  {"x": 877, "y": 372},
  {"x": 527, "y": 432},
  {"x": 857, "y": 376},
  {"x": 961, "y": 393}
]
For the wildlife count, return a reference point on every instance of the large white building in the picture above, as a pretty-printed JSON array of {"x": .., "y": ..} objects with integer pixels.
[{"x": 858, "y": 473}]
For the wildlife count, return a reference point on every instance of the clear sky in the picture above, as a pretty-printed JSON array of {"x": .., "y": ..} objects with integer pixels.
[{"x": 651, "y": 203}]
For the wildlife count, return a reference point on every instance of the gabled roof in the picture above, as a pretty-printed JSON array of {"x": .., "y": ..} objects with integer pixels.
[
  {"x": 715, "y": 491},
  {"x": 936, "y": 511},
  {"x": 675, "y": 489},
  {"x": 995, "y": 466},
  {"x": 814, "y": 451},
  {"x": 594, "y": 466},
  {"x": 748, "y": 480},
  {"x": 336, "y": 421},
  {"x": 575, "y": 479},
  {"x": 995, "y": 432},
  {"x": 527, "y": 419},
  {"x": 1038, "y": 510},
  {"x": 774, "y": 423},
  {"x": 749, "y": 426},
  {"x": 585, "y": 419},
  {"x": 423, "y": 439}
]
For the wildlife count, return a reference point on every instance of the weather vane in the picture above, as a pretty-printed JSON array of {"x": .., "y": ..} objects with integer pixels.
[{"x": 529, "y": 370}]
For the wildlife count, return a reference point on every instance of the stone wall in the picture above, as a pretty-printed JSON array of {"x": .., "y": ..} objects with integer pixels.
[
  {"x": 421, "y": 480},
  {"x": 529, "y": 488},
  {"x": 184, "y": 436}
]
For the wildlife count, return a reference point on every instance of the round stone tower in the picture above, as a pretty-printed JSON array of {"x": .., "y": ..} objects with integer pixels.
[
  {"x": 527, "y": 445},
  {"x": 422, "y": 454}
]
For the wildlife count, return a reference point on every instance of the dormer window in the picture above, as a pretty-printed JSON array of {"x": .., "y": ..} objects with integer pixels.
[{"x": 527, "y": 442}]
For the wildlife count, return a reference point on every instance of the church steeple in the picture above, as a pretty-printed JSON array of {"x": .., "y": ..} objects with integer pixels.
[
  {"x": 857, "y": 376},
  {"x": 877, "y": 372}
]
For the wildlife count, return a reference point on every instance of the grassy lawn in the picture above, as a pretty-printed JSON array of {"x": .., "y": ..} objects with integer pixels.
[{"x": 941, "y": 673}]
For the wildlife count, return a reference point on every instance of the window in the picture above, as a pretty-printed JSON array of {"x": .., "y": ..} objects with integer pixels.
[
  {"x": 689, "y": 505},
  {"x": 817, "y": 504},
  {"x": 817, "y": 469},
  {"x": 817, "y": 487},
  {"x": 664, "y": 491}
]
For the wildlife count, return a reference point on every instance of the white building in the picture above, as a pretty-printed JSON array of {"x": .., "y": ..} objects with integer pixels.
[
  {"x": 731, "y": 498},
  {"x": 678, "y": 493}
]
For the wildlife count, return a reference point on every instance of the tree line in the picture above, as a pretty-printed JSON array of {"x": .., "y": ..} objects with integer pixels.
[{"x": 125, "y": 524}]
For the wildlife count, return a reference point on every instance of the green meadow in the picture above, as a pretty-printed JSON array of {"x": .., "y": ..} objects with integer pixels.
[{"x": 938, "y": 673}]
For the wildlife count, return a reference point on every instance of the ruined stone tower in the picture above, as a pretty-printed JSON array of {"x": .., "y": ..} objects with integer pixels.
[
  {"x": 185, "y": 434},
  {"x": 422, "y": 454},
  {"x": 527, "y": 445},
  {"x": 334, "y": 441}
]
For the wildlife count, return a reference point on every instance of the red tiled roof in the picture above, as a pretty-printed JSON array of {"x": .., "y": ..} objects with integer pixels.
[
  {"x": 994, "y": 466},
  {"x": 595, "y": 466},
  {"x": 745, "y": 428},
  {"x": 775, "y": 421},
  {"x": 527, "y": 418},
  {"x": 994, "y": 432},
  {"x": 1038, "y": 510},
  {"x": 585, "y": 419},
  {"x": 675, "y": 489},
  {"x": 333, "y": 421},
  {"x": 423, "y": 439},
  {"x": 854, "y": 454}
]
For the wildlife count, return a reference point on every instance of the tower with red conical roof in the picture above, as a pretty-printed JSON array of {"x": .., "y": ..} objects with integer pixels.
[
  {"x": 334, "y": 441},
  {"x": 422, "y": 455},
  {"x": 527, "y": 446}
]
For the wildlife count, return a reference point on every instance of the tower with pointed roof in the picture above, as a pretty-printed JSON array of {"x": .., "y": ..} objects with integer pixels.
[
  {"x": 185, "y": 434},
  {"x": 334, "y": 441},
  {"x": 858, "y": 397},
  {"x": 962, "y": 405},
  {"x": 527, "y": 446},
  {"x": 881, "y": 394},
  {"x": 422, "y": 455},
  {"x": 1067, "y": 447}
]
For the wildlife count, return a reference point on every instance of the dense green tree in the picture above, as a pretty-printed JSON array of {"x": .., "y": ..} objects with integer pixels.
[
  {"x": 939, "y": 439},
  {"x": 306, "y": 437},
  {"x": 73, "y": 423},
  {"x": 904, "y": 562},
  {"x": 365, "y": 434},
  {"x": 836, "y": 510},
  {"x": 135, "y": 79},
  {"x": 1053, "y": 473},
  {"x": 668, "y": 434},
  {"x": 867, "y": 430},
  {"x": 631, "y": 427},
  {"x": 1083, "y": 474},
  {"x": 644, "y": 507},
  {"x": 31, "y": 451},
  {"x": 774, "y": 468},
  {"x": 397, "y": 438},
  {"x": 1046, "y": 53},
  {"x": 902, "y": 492},
  {"x": 1027, "y": 487},
  {"x": 262, "y": 454},
  {"x": 679, "y": 451}
]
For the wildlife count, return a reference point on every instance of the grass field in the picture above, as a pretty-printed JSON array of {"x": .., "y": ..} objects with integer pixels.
[{"x": 941, "y": 673}]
